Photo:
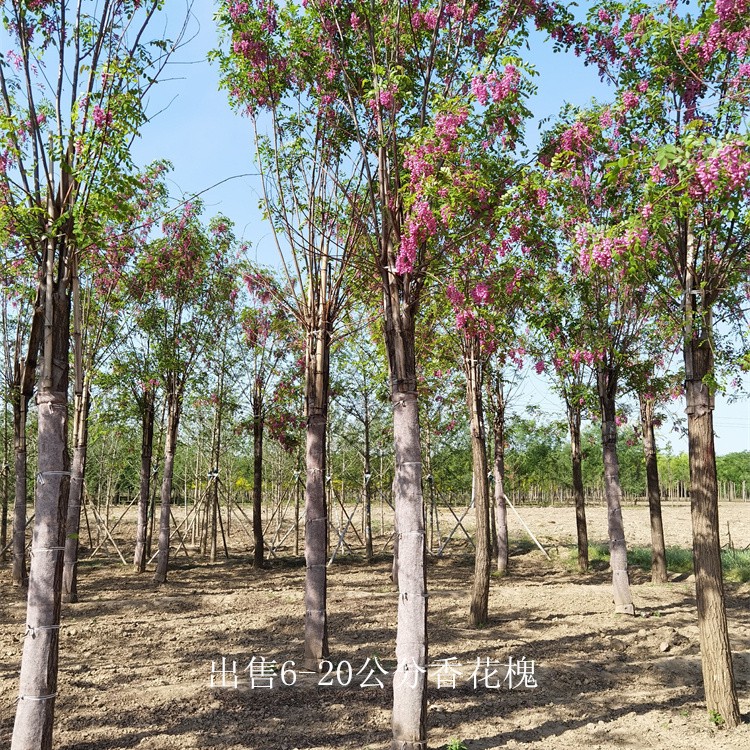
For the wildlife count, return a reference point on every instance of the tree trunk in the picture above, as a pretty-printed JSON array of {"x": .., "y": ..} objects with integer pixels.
[
  {"x": 6, "y": 485},
  {"x": 170, "y": 446},
  {"x": 38, "y": 680},
  {"x": 368, "y": 486},
  {"x": 618, "y": 553},
  {"x": 498, "y": 474},
  {"x": 317, "y": 359},
  {"x": 258, "y": 558},
  {"x": 716, "y": 655},
  {"x": 77, "y": 474},
  {"x": 410, "y": 679},
  {"x": 574, "y": 424},
  {"x": 658, "y": 551},
  {"x": 481, "y": 590},
  {"x": 216, "y": 456},
  {"x": 20, "y": 577},
  {"x": 144, "y": 495}
]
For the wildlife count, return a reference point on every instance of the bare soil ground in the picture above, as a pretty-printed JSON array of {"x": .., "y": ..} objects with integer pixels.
[{"x": 135, "y": 659}]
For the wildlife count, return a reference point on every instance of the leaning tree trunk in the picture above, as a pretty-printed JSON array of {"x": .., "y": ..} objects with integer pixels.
[
  {"x": 498, "y": 474},
  {"x": 144, "y": 494},
  {"x": 78, "y": 471},
  {"x": 170, "y": 446},
  {"x": 317, "y": 364},
  {"x": 410, "y": 679},
  {"x": 258, "y": 559},
  {"x": 20, "y": 576},
  {"x": 574, "y": 424},
  {"x": 658, "y": 551},
  {"x": 716, "y": 655},
  {"x": 481, "y": 589},
  {"x": 618, "y": 553},
  {"x": 38, "y": 680}
]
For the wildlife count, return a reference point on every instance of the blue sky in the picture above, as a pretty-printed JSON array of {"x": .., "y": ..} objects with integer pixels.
[{"x": 210, "y": 147}]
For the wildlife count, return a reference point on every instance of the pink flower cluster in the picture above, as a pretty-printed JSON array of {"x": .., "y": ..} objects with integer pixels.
[
  {"x": 480, "y": 293},
  {"x": 728, "y": 168},
  {"x": 497, "y": 88},
  {"x": 576, "y": 137},
  {"x": 729, "y": 10},
  {"x": 101, "y": 117},
  {"x": 630, "y": 100},
  {"x": 237, "y": 11},
  {"x": 421, "y": 225},
  {"x": 447, "y": 125}
]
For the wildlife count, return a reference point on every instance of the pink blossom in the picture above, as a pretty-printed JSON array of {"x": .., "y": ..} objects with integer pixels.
[
  {"x": 456, "y": 298},
  {"x": 237, "y": 11},
  {"x": 539, "y": 367},
  {"x": 431, "y": 19},
  {"x": 480, "y": 293},
  {"x": 630, "y": 99},
  {"x": 101, "y": 117},
  {"x": 479, "y": 89},
  {"x": 729, "y": 10},
  {"x": 656, "y": 173}
]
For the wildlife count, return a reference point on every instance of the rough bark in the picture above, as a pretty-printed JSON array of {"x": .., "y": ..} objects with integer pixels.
[
  {"x": 258, "y": 552},
  {"x": 77, "y": 473},
  {"x": 38, "y": 680},
  {"x": 716, "y": 655},
  {"x": 481, "y": 588},
  {"x": 20, "y": 576},
  {"x": 316, "y": 622},
  {"x": 317, "y": 374},
  {"x": 658, "y": 550},
  {"x": 367, "y": 486},
  {"x": 215, "y": 458},
  {"x": 410, "y": 679},
  {"x": 6, "y": 486},
  {"x": 618, "y": 554},
  {"x": 144, "y": 494},
  {"x": 498, "y": 474},
  {"x": 574, "y": 425},
  {"x": 170, "y": 446}
]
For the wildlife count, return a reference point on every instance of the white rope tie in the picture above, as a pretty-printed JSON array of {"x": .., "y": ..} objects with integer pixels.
[
  {"x": 34, "y": 550},
  {"x": 31, "y": 629},
  {"x": 40, "y": 476},
  {"x": 37, "y": 697}
]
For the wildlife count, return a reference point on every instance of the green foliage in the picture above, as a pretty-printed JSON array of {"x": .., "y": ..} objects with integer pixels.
[
  {"x": 734, "y": 563},
  {"x": 716, "y": 718},
  {"x": 456, "y": 744},
  {"x": 734, "y": 467}
]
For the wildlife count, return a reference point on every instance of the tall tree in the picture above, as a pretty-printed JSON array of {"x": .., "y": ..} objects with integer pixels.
[
  {"x": 72, "y": 89},
  {"x": 269, "y": 340},
  {"x": 185, "y": 281},
  {"x": 395, "y": 84},
  {"x": 683, "y": 94},
  {"x": 308, "y": 177}
]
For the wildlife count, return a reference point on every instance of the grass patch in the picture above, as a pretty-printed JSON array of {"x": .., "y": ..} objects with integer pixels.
[{"x": 734, "y": 563}]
